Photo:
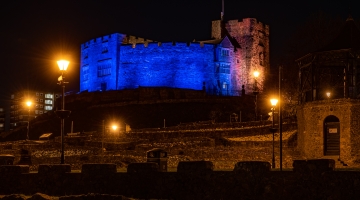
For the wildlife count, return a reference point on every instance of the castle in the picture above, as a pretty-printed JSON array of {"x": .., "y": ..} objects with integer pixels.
[{"x": 223, "y": 65}]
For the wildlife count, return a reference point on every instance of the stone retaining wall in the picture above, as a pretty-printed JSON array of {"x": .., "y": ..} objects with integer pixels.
[{"x": 310, "y": 179}]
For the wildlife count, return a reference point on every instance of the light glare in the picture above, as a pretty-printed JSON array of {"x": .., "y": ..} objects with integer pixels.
[
  {"x": 28, "y": 103},
  {"x": 273, "y": 102},
  {"x": 63, "y": 64}
]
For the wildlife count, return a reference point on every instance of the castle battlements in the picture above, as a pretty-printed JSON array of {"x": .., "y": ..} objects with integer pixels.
[
  {"x": 222, "y": 65},
  {"x": 174, "y": 45}
]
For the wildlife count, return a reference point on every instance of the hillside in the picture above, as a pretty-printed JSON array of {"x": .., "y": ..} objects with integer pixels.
[{"x": 140, "y": 108}]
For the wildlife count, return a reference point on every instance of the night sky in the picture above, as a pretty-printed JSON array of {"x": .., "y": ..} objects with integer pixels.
[{"x": 34, "y": 34}]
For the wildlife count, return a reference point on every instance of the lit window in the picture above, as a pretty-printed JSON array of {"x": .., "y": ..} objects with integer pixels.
[
  {"x": 48, "y": 101},
  {"x": 224, "y": 85},
  {"x": 49, "y": 96},
  {"x": 48, "y": 107}
]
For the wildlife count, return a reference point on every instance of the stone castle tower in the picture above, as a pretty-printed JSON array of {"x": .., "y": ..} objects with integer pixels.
[
  {"x": 223, "y": 65},
  {"x": 253, "y": 39}
]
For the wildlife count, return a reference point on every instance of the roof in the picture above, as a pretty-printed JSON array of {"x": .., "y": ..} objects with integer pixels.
[
  {"x": 348, "y": 38},
  {"x": 224, "y": 34}
]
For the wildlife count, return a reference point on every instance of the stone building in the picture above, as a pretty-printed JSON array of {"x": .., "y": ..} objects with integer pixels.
[
  {"x": 222, "y": 65},
  {"x": 329, "y": 111}
]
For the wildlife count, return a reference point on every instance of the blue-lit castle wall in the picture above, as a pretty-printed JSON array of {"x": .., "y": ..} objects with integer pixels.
[
  {"x": 218, "y": 66},
  {"x": 100, "y": 63},
  {"x": 107, "y": 64},
  {"x": 178, "y": 65}
]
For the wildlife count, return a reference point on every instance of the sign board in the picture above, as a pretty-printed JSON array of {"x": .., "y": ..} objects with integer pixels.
[{"x": 333, "y": 130}]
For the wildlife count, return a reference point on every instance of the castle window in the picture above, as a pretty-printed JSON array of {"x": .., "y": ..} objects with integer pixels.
[
  {"x": 85, "y": 71},
  {"x": 104, "y": 50},
  {"x": 225, "y": 69},
  {"x": 217, "y": 68},
  {"x": 224, "y": 52},
  {"x": 104, "y": 70},
  {"x": 261, "y": 58}
]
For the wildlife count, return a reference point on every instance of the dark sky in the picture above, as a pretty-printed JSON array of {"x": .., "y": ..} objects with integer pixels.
[{"x": 37, "y": 33}]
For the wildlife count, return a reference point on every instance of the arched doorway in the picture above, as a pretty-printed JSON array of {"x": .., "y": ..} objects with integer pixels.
[{"x": 331, "y": 136}]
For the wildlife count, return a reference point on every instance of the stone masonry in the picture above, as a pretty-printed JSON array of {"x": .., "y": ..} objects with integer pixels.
[{"x": 311, "y": 116}]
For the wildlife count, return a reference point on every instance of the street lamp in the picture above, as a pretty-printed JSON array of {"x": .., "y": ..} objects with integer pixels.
[
  {"x": 28, "y": 103},
  {"x": 328, "y": 94},
  {"x": 273, "y": 130},
  {"x": 256, "y": 91},
  {"x": 63, "y": 65}
]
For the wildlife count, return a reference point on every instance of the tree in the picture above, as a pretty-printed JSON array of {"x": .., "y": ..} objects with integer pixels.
[{"x": 317, "y": 31}]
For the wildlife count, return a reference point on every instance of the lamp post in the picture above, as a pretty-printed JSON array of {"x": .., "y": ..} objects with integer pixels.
[
  {"x": 273, "y": 130},
  {"x": 256, "y": 91},
  {"x": 114, "y": 127},
  {"x": 28, "y": 103},
  {"x": 63, "y": 65}
]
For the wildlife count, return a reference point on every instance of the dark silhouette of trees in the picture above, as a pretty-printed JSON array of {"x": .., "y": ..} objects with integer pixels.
[{"x": 317, "y": 31}]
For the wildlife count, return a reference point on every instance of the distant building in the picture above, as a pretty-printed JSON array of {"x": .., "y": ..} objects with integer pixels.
[
  {"x": 2, "y": 119},
  {"x": 20, "y": 113},
  {"x": 222, "y": 65}
]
